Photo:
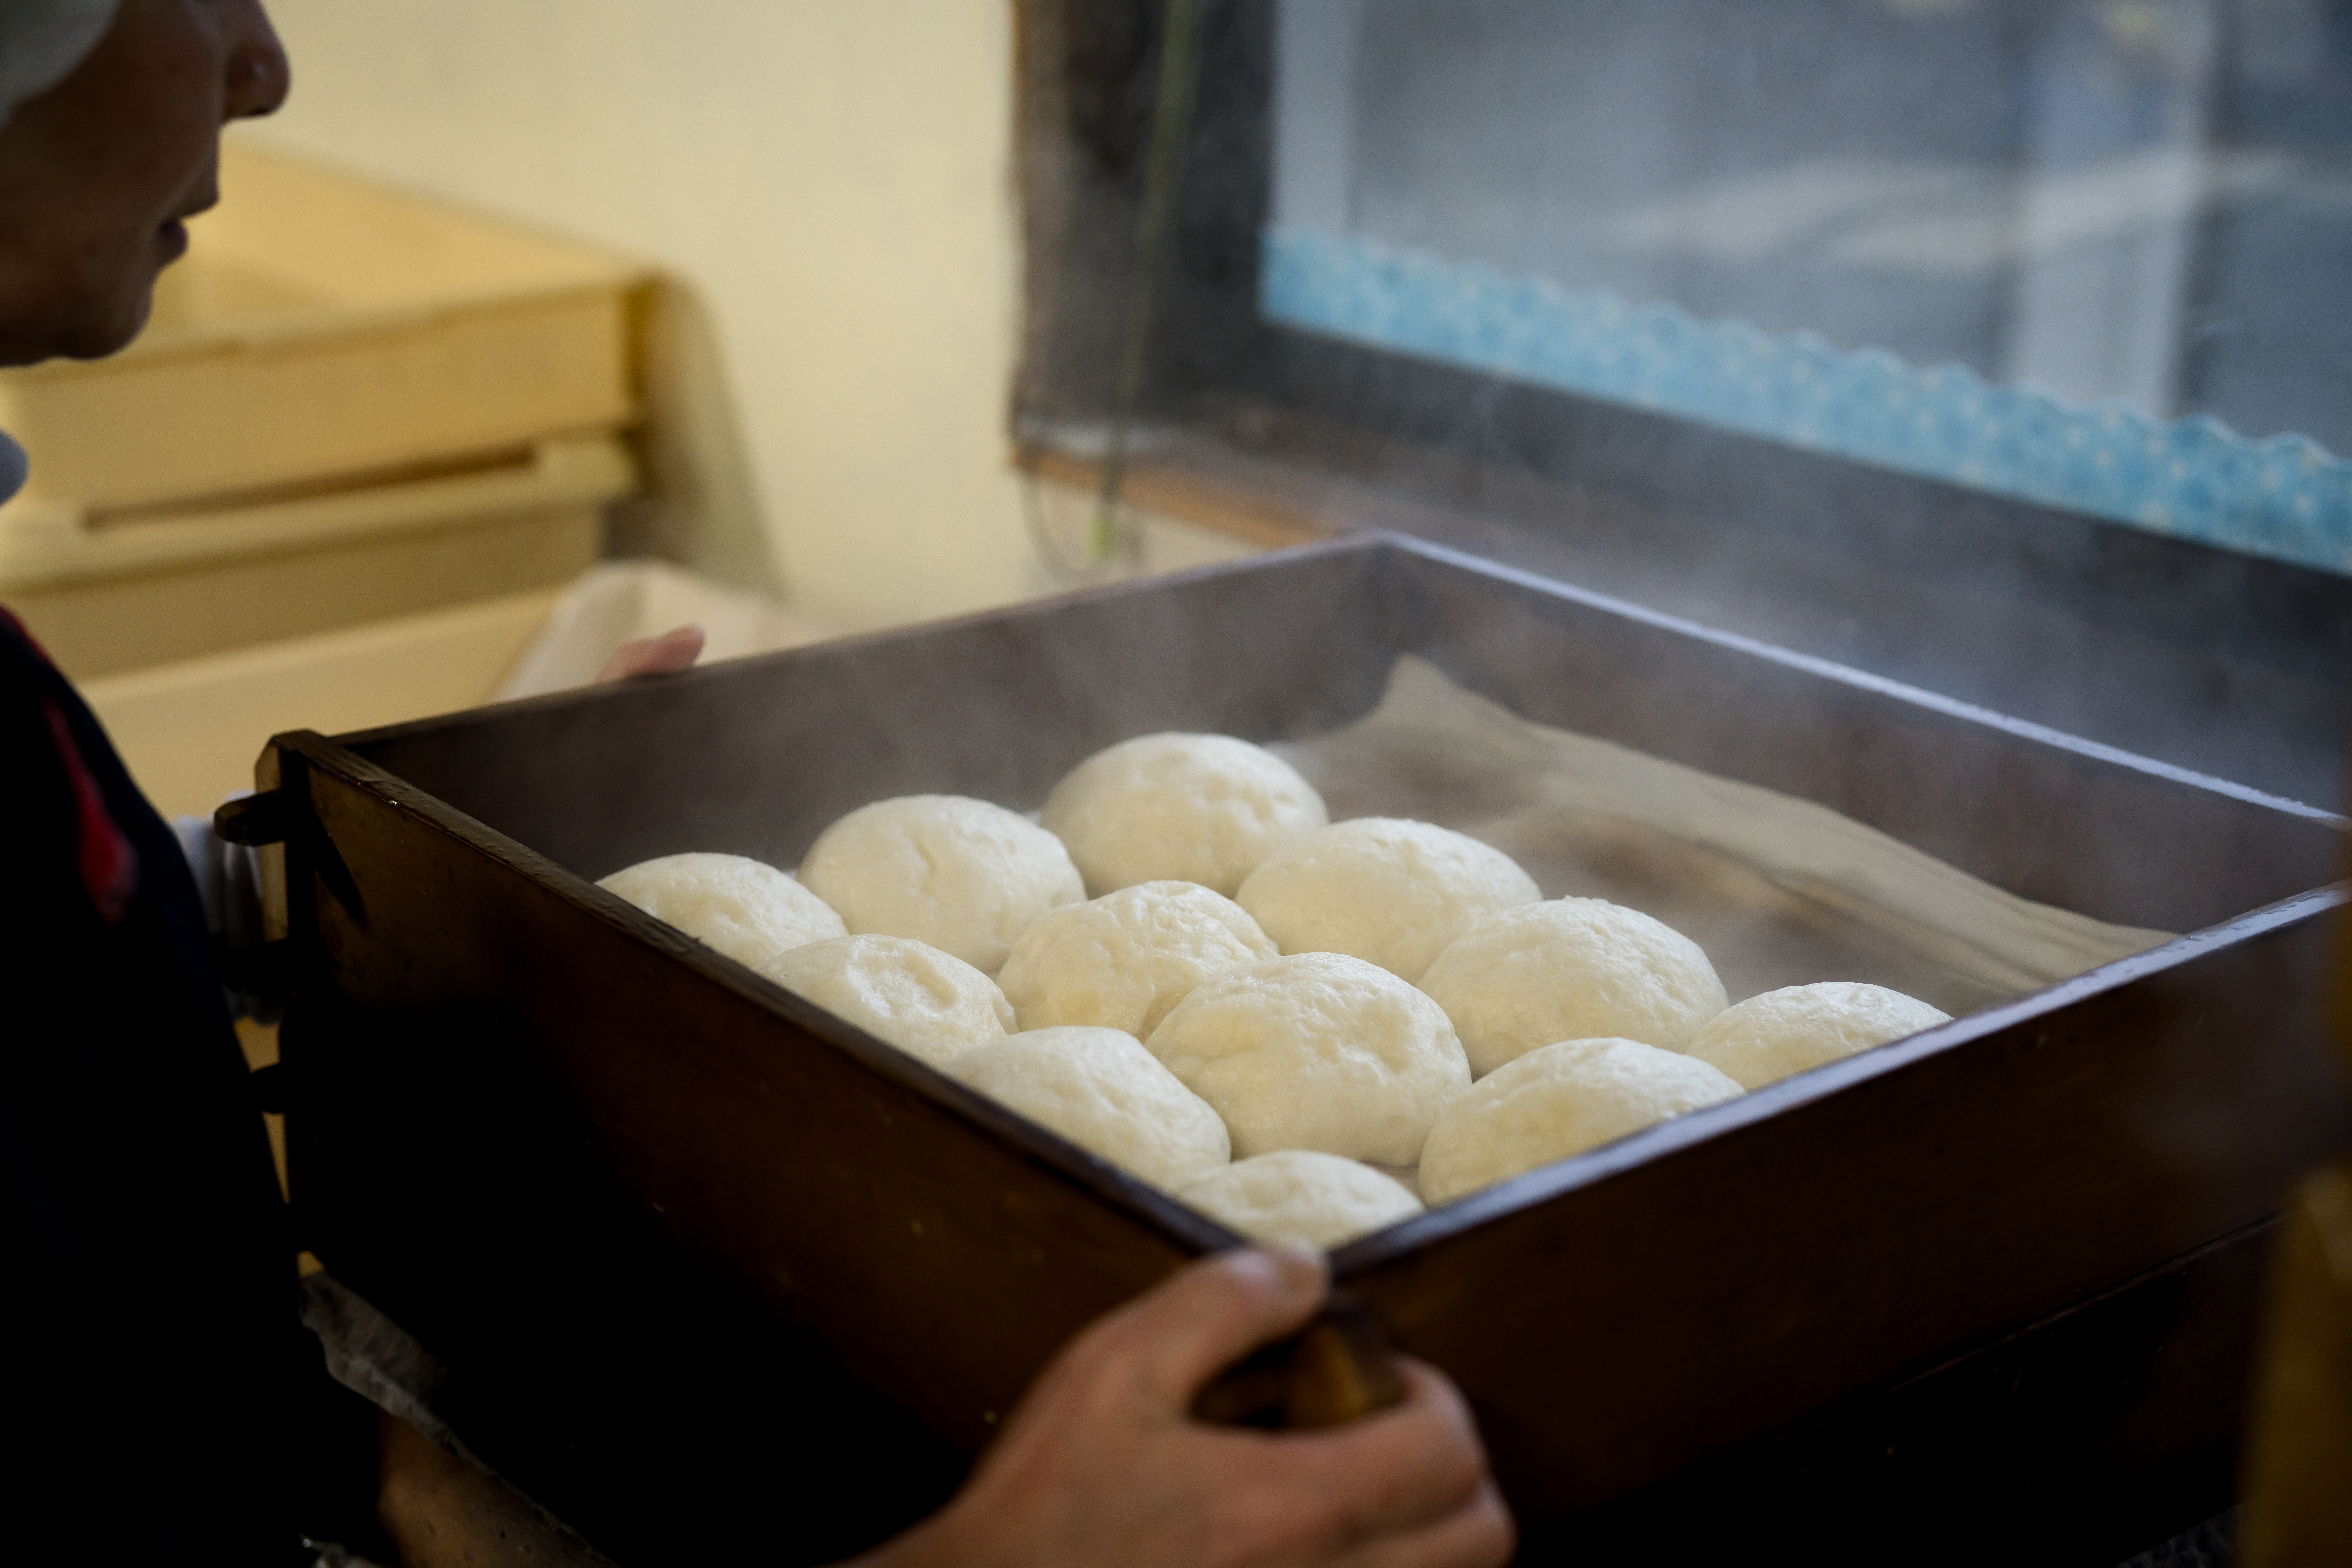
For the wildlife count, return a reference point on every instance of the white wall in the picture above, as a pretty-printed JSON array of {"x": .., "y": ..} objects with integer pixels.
[{"x": 831, "y": 179}]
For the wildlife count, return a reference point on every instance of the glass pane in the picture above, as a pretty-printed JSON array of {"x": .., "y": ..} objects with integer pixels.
[{"x": 2011, "y": 242}]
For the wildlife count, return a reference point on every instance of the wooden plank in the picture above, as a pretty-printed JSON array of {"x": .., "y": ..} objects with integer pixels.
[
  {"x": 1256, "y": 507},
  {"x": 2078, "y": 1442}
]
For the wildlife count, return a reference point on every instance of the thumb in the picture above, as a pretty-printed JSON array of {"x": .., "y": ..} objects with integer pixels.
[{"x": 1212, "y": 1313}]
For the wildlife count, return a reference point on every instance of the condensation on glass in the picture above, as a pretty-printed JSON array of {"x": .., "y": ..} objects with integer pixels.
[{"x": 2139, "y": 207}]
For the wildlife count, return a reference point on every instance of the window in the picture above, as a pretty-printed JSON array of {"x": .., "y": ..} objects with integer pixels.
[
  {"x": 1999, "y": 346},
  {"x": 2006, "y": 243}
]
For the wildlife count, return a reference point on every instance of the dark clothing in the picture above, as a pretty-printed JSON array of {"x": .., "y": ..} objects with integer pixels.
[{"x": 148, "y": 1292}]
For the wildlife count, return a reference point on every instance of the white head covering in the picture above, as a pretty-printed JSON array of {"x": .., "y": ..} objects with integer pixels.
[{"x": 42, "y": 40}]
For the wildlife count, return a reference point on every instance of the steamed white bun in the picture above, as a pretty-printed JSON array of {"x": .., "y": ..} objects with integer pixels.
[
  {"x": 961, "y": 875},
  {"x": 1102, "y": 1091},
  {"x": 1321, "y": 1051},
  {"x": 1298, "y": 1195},
  {"x": 746, "y": 909},
  {"x": 1557, "y": 1101},
  {"x": 927, "y": 1002},
  {"x": 1181, "y": 808},
  {"x": 1383, "y": 890},
  {"x": 1573, "y": 969},
  {"x": 1124, "y": 960},
  {"x": 1783, "y": 1032}
]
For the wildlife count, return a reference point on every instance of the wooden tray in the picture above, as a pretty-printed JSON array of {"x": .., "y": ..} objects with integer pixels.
[{"x": 647, "y": 1203}]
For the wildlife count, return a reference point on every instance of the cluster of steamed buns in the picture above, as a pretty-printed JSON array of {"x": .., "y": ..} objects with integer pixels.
[{"x": 1189, "y": 970}]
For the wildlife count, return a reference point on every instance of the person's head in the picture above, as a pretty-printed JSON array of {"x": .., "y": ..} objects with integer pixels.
[{"x": 103, "y": 160}]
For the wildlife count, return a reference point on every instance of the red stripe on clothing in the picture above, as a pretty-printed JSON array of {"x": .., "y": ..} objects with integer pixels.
[{"x": 109, "y": 867}]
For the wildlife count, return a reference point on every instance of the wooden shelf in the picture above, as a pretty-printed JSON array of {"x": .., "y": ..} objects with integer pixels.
[{"x": 1259, "y": 507}]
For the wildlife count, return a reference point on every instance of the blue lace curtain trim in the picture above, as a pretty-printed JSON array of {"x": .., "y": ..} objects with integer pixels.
[{"x": 2284, "y": 497}]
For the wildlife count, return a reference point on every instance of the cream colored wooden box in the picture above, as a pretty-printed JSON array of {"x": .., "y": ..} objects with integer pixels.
[
  {"x": 108, "y": 596},
  {"x": 321, "y": 327}
]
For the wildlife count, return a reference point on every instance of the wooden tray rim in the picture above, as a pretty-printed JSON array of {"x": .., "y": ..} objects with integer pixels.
[{"x": 1190, "y": 1229}]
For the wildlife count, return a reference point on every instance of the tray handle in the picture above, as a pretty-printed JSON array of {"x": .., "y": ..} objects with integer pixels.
[{"x": 1335, "y": 1370}]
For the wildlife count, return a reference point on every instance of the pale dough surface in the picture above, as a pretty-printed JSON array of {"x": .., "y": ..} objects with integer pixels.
[
  {"x": 927, "y": 1002},
  {"x": 1180, "y": 808},
  {"x": 1387, "y": 890},
  {"x": 746, "y": 909},
  {"x": 1122, "y": 960},
  {"x": 1782, "y": 1032},
  {"x": 1318, "y": 1051},
  {"x": 1573, "y": 969},
  {"x": 960, "y": 874},
  {"x": 1299, "y": 1194},
  {"x": 1557, "y": 1101},
  {"x": 1102, "y": 1091}
]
